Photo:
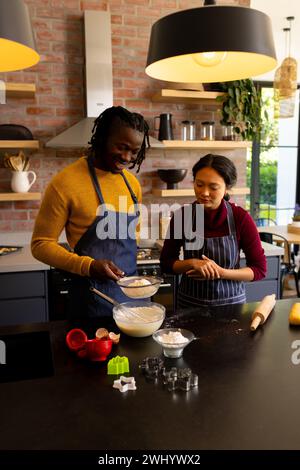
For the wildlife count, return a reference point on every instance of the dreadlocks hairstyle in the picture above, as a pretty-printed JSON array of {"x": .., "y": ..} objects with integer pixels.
[{"x": 102, "y": 128}]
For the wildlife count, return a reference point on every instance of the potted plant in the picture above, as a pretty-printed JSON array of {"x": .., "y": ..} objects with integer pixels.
[{"x": 241, "y": 108}]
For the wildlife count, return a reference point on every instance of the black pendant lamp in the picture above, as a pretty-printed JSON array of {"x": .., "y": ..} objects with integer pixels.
[
  {"x": 17, "y": 46},
  {"x": 211, "y": 44}
]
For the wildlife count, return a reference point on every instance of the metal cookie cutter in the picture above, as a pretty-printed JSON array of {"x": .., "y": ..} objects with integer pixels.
[
  {"x": 180, "y": 379},
  {"x": 124, "y": 383},
  {"x": 152, "y": 367}
]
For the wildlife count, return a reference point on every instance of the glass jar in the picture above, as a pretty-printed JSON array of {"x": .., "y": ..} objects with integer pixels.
[
  {"x": 188, "y": 130},
  {"x": 228, "y": 133},
  {"x": 207, "y": 130},
  {"x": 185, "y": 130},
  {"x": 192, "y": 130}
]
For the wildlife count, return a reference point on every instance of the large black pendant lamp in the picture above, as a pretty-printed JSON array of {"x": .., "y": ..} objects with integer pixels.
[
  {"x": 211, "y": 44},
  {"x": 17, "y": 46}
]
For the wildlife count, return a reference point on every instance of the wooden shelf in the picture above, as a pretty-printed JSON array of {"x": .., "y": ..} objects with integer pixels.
[
  {"x": 20, "y": 90},
  {"x": 191, "y": 193},
  {"x": 19, "y": 144},
  {"x": 186, "y": 96},
  {"x": 20, "y": 197},
  {"x": 206, "y": 144}
]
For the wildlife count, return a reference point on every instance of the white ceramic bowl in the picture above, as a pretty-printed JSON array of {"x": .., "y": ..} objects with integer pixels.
[
  {"x": 130, "y": 286},
  {"x": 173, "y": 349},
  {"x": 147, "y": 317}
]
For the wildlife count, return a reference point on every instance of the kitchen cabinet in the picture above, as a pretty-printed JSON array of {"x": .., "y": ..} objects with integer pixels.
[
  {"x": 256, "y": 290},
  {"x": 23, "y": 297}
]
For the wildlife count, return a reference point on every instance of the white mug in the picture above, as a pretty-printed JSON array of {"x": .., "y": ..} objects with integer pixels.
[{"x": 20, "y": 181}]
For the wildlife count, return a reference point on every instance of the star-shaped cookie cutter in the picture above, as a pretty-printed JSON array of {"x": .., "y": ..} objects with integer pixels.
[{"x": 124, "y": 383}]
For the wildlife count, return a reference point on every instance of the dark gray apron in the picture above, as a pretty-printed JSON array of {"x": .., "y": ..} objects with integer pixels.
[
  {"x": 119, "y": 247},
  {"x": 225, "y": 252}
]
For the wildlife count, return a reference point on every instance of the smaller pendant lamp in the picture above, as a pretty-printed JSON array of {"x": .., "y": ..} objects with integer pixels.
[
  {"x": 285, "y": 81},
  {"x": 17, "y": 46},
  {"x": 211, "y": 44}
]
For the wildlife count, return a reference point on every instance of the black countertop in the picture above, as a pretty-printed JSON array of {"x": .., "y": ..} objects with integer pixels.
[{"x": 248, "y": 394}]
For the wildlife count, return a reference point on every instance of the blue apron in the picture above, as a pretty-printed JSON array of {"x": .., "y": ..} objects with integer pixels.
[
  {"x": 118, "y": 247},
  {"x": 225, "y": 252}
]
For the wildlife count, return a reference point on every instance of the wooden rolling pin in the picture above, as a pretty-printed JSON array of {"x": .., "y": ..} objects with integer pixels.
[{"x": 263, "y": 310}]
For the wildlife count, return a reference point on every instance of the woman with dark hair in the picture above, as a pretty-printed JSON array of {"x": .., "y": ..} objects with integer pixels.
[
  {"x": 211, "y": 275},
  {"x": 97, "y": 201}
]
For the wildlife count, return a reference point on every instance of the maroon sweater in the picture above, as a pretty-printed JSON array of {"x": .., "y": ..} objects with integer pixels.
[{"x": 215, "y": 225}]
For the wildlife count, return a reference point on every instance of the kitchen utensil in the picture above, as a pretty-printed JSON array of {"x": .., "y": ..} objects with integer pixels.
[
  {"x": 20, "y": 181},
  {"x": 15, "y": 132},
  {"x": 76, "y": 339},
  {"x": 94, "y": 349},
  {"x": 18, "y": 162},
  {"x": 133, "y": 286},
  {"x": 173, "y": 349},
  {"x": 262, "y": 311},
  {"x": 26, "y": 164},
  {"x": 97, "y": 349},
  {"x": 165, "y": 130},
  {"x": 126, "y": 311},
  {"x": 172, "y": 176},
  {"x": 150, "y": 318}
]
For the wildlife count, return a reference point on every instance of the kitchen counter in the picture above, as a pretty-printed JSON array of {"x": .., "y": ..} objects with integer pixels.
[
  {"x": 247, "y": 398},
  {"x": 21, "y": 261}
]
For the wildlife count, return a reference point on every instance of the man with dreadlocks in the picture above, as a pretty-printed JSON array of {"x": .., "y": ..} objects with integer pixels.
[{"x": 96, "y": 200}]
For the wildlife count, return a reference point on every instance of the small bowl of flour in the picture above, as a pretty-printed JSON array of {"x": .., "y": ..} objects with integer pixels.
[{"x": 173, "y": 340}]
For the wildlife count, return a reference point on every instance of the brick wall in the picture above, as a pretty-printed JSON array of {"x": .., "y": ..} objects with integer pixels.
[{"x": 59, "y": 101}]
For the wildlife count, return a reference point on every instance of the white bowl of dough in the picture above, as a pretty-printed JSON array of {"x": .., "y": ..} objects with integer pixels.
[
  {"x": 140, "y": 318},
  {"x": 173, "y": 340},
  {"x": 139, "y": 287}
]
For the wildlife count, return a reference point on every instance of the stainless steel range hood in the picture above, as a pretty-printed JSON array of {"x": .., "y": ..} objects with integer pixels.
[{"x": 99, "y": 83}]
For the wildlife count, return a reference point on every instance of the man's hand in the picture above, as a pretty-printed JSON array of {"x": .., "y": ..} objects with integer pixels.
[
  {"x": 105, "y": 269},
  {"x": 204, "y": 269}
]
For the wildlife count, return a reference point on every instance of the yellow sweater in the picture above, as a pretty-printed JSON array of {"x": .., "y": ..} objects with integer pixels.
[{"x": 71, "y": 202}]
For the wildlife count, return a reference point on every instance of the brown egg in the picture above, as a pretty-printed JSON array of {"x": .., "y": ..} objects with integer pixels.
[
  {"x": 102, "y": 333},
  {"x": 115, "y": 338}
]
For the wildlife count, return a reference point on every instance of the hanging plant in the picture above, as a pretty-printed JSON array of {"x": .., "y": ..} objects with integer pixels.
[{"x": 241, "y": 108}]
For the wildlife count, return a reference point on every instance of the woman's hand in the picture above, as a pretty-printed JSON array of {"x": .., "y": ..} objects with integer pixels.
[
  {"x": 105, "y": 269},
  {"x": 204, "y": 269}
]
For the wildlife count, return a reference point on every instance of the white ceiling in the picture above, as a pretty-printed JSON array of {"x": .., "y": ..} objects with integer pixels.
[{"x": 278, "y": 10}]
